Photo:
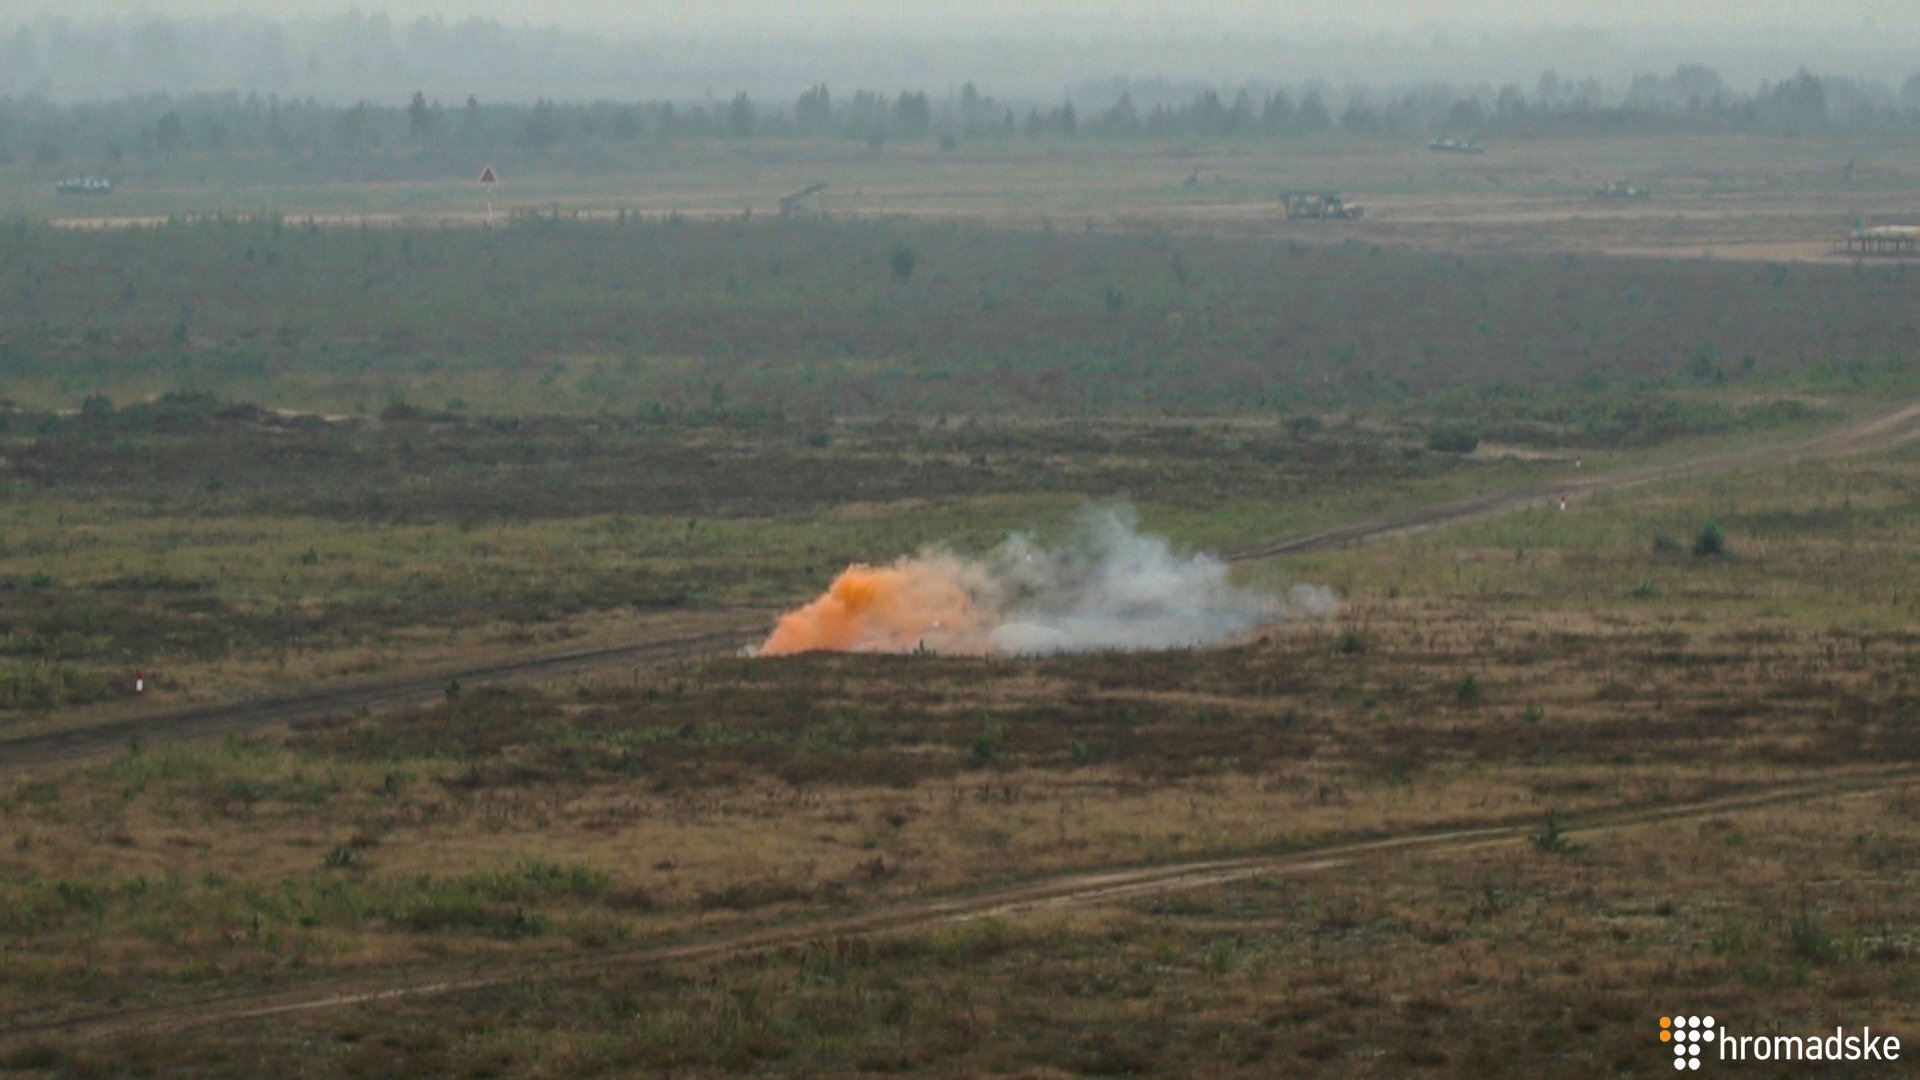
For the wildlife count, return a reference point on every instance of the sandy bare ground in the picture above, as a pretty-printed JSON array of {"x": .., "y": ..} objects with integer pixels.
[
  {"x": 1876, "y": 432},
  {"x": 1742, "y": 227},
  {"x": 1088, "y": 889}
]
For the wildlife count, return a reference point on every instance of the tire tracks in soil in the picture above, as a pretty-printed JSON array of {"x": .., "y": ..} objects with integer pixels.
[{"x": 1066, "y": 892}]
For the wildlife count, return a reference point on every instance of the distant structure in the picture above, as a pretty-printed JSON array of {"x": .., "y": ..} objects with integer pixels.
[
  {"x": 1885, "y": 240},
  {"x": 1620, "y": 189},
  {"x": 84, "y": 185},
  {"x": 1447, "y": 144},
  {"x": 1319, "y": 206},
  {"x": 796, "y": 203}
]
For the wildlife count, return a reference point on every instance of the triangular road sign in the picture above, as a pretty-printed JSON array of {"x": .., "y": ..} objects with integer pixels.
[{"x": 487, "y": 176}]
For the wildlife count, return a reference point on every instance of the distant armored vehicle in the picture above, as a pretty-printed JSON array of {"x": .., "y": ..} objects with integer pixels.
[
  {"x": 1447, "y": 144},
  {"x": 1620, "y": 189},
  {"x": 1319, "y": 206},
  {"x": 84, "y": 185},
  {"x": 796, "y": 203},
  {"x": 1885, "y": 240}
]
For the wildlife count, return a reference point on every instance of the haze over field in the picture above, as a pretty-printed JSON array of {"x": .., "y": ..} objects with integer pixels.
[
  {"x": 589, "y": 49},
  {"x": 1385, "y": 14}
]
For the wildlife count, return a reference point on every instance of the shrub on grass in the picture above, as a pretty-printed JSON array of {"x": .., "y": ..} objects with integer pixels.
[{"x": 1709, "y": 541}]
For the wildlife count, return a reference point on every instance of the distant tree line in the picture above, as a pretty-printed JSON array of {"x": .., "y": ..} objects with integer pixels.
[{"x": 165, "y": 128}]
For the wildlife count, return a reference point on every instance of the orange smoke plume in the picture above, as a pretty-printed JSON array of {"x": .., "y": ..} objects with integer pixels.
[
  {"x": 898, "y": 608},
  {"x": 1105, "y": 585}
]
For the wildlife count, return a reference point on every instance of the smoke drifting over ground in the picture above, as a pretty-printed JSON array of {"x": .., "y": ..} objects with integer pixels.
[{"x": 1109, "y": 586}]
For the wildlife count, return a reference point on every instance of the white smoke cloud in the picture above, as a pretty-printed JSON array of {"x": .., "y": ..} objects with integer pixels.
[
  {"x": 1111, "y": 586},
  {"x": 1106, "y": 586}
]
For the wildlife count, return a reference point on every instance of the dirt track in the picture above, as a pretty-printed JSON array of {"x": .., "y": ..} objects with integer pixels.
[
  {"x": 1065, "y": 892},
  {"x": 1880, "y": 431},
  {"x": 201, "y": 722},
  {"x": 1877, "y": 432},
  {"x": 1770, "y": 227}
]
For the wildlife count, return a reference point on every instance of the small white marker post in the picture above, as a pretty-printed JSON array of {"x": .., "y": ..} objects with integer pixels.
[{"x": 488, "y": 178}]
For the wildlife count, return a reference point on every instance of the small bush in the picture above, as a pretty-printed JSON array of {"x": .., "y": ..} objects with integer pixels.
[
  {"x": 984, "y": 750},
  {"x": 1552, "y": 837},
  {"x": 1350, "y": 643},
  {"x": 1709, "y": 541},
  {"x": 901, "y": 259},
  {"x": 1467, "y": 691}
]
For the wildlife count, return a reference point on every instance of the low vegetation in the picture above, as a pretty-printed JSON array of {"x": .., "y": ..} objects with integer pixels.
[
  {"x": 397, "y": 447},
  {"x": 640, "y": 319},
  {"x": 1459, "y": 684}
]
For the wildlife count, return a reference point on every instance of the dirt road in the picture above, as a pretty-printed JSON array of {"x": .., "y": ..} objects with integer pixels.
[
  {"x": 1880, "y": 431},
  {"x": 1061, "y": 893},
  {"x": 1876, "y": 432},
  {"x": 57, "y": 747}
]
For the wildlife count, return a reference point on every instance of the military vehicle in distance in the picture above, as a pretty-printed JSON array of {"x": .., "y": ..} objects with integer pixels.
[
  {"x": 796, "y": 203},
  {"x": 84, "y": 185},
  {"x": 1319, "y": 206},
  {"x": 1620, "y": 189}
]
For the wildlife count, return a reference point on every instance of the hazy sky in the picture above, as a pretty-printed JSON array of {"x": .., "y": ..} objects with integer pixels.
[
  {"x": 1028, "y": 50},
  {"x": 974, "y": 14}
]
